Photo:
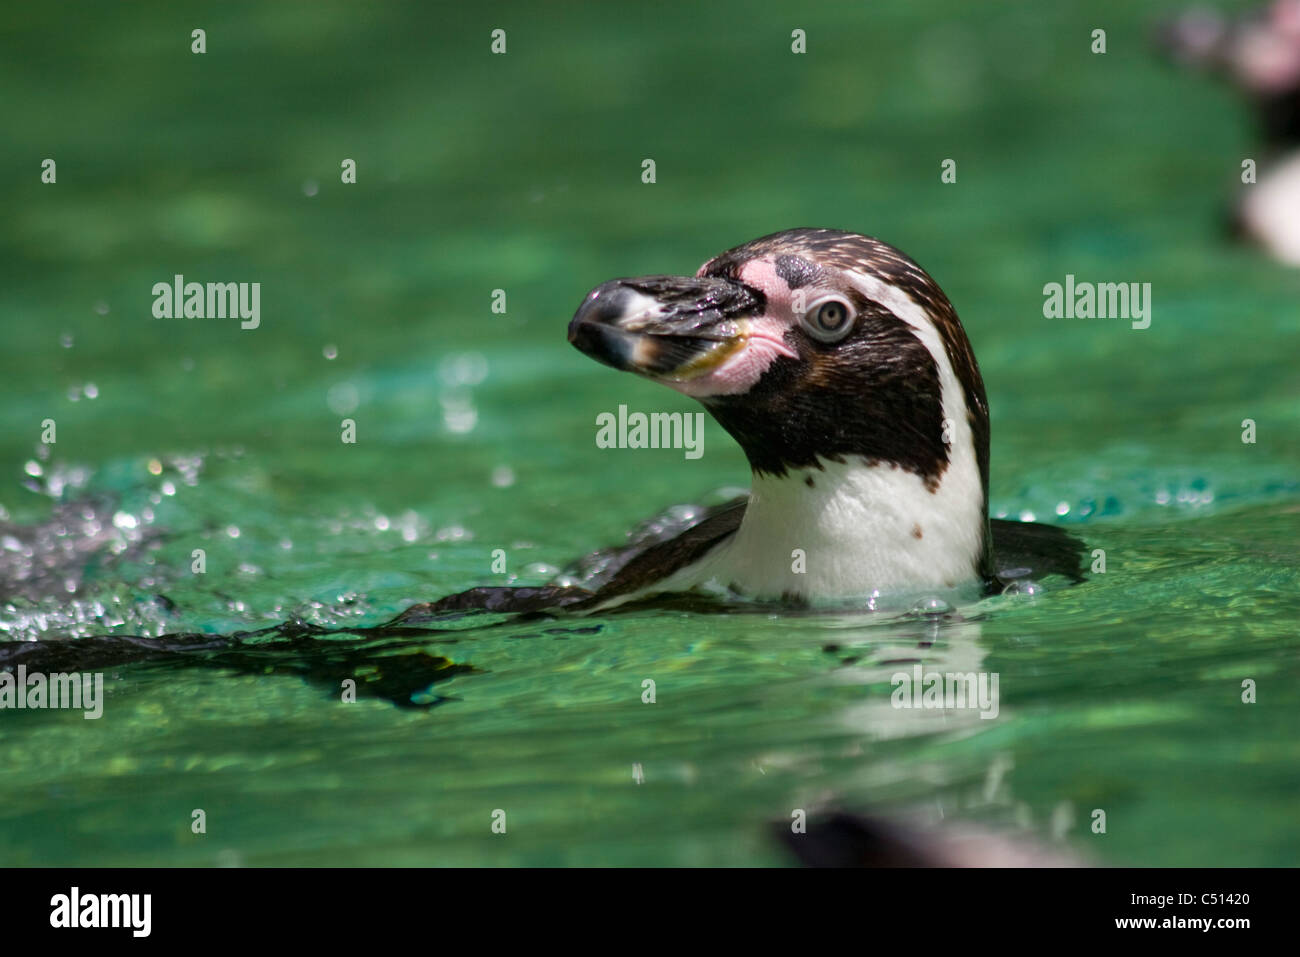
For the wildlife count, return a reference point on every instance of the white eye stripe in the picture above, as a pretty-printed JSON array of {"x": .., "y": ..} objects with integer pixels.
[
  {"x": 829, "y": 318},
  {"x": 901, "y": 304}
]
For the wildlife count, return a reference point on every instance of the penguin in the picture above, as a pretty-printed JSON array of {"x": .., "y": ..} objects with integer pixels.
[
  {"x": 1258, "y": 53},
  {"x": 842, "y": 371}
]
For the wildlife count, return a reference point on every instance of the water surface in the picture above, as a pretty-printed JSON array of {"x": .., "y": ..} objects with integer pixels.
[{"x": 476, "y": 430}]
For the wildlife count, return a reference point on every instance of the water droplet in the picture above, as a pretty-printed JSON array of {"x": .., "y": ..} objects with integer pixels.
[
  {"x": 458, "y": 413},
  {"x": 1062, "y": 508},
  {"x": 330, "y": 351},
  {"x": 101, "y": 308},
  {"x": 466, "y": 368},
  {"x": 931, "y": 606},
  {"x": 503, "y": 476},
  {"x": 1023, "y": 587},
  {"x": 310, "y": 187},
  {"x": 683, "y": 513},
  {"x": 343, "y": 398},
  {"x": 66, "y": 340},
  {"x": 232, "y": 531}
]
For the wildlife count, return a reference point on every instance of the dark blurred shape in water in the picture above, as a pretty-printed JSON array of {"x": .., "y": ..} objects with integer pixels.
[
  {"x": 844, "y": 839},
  {"x": 1259, "y": 54}
]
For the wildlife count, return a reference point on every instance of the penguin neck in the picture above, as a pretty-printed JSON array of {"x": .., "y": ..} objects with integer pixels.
[{"x": 845, "y": 529}]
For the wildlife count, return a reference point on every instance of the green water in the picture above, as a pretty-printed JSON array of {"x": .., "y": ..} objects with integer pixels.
[{"x": 476, "y": 430}]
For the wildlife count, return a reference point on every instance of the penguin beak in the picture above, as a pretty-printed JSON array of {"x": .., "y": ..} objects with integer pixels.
[{"x": 669, "y": 328}]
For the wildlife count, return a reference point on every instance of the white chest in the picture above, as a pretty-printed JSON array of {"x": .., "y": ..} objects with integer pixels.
[
  {"x": 857, "y": 529},
  {"x": 1270, "y": 211}
]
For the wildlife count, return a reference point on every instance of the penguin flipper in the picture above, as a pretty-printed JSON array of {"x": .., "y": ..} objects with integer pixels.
[
  {"x": 599, "y": 570},
  {"x": 1031, "y": 550},
  {"x": 655, "y": 549},
  {"x": 491, "y": 598},
  {"x": 639, "y": 566}
]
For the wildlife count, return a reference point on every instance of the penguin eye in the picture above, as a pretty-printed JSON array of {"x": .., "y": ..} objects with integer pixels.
[{"x": 829, "y": 320}]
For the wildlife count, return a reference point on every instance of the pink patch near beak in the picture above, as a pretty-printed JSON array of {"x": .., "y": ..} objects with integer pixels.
[{"x": 764, "y": 340}]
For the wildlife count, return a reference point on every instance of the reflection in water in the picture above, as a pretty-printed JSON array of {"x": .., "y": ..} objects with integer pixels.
[
  {"x": 924, "y": 674},
  {"x": 946, "y": 648}
]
